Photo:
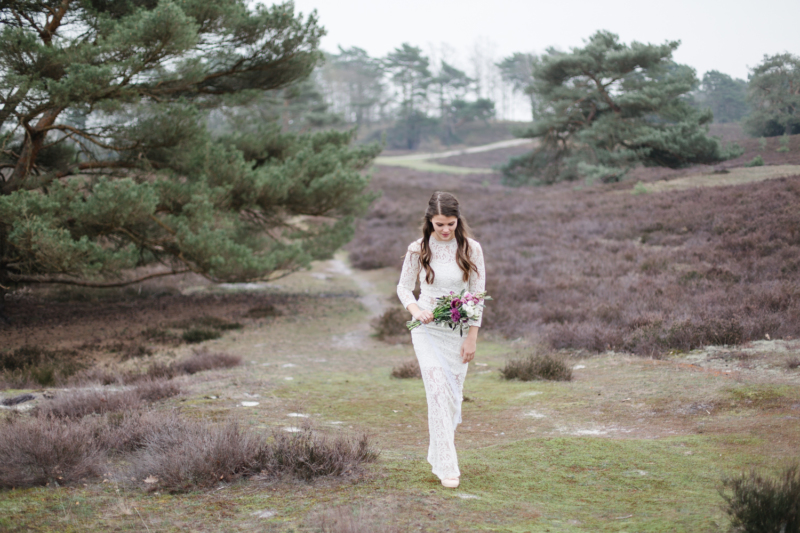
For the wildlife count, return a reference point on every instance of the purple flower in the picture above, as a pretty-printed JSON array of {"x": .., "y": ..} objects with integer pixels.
[
  {"x": 455, "y": 316},
  {"x": 455, "y": 302}
]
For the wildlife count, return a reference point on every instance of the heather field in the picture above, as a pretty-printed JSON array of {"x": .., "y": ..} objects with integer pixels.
[{"x": 670, "y": 300}]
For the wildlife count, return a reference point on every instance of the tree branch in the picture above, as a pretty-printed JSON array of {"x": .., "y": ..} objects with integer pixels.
[{"x": 36, "y": 279}]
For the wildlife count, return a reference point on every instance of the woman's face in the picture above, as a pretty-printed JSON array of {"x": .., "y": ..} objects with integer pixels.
[{"x": 444, "y": 227}]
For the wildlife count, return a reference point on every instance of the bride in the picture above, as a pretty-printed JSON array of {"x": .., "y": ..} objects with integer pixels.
[{"x": 445, "y": 259}]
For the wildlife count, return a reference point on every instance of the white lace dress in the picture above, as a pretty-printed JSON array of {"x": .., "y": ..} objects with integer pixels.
[{"x": 444, "y": 407}]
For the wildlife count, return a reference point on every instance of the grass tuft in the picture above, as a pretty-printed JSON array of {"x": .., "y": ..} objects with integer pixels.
[
  {"x": 759, "y": 503},
  {"x": 537, "y": 367}
]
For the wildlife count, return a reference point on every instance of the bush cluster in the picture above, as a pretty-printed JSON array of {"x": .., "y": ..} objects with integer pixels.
[
  {"x": 171, "y": 452},
  {"x": 391, "y": 325},
  {"x": 409, "y": 369},
  {"x": 536, "y": 366},
  {"x": 758, "y": 503},
  {"x": 67, "y": 368}
]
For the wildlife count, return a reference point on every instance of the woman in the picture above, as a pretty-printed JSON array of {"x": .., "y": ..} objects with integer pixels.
[{"x": 445, "y": 259}]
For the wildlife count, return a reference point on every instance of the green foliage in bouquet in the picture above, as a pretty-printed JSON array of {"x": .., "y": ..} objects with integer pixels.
[{"x": 131, "y": 137}]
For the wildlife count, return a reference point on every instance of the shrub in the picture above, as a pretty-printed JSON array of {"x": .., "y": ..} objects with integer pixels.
[
  {"x": 128, "y": 431},
  {"x": 263, "y": 311},
  {"x": 216, "y": 323},
  {"x": 81, "y": 403},
  {"x": 391, "y": 325},
  {"x": 689, "y": 335},
  {"x": 38, "y": 451},
  {"x": 32, "y": 365},
  {"x": 195, "y": 335},
  {"x": 161, "y": 336},
  {"x": 760, "y": 504},
  {"x": 206, "y": 361},
  {"x": 757, "y": 161},
  {"x": 196, "y": 454},
  {"x": 784, "y": 142},
  {"x": 409, "y": 369},
  {"x": 537, "y": 367},
  {"x": 793, "y": 363},
  {"x": 153, "y": 390},
  {"x": 305, "y": 455}
]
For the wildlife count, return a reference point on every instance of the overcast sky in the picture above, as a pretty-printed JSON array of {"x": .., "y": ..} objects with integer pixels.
[{"x": 729, "y": 36}]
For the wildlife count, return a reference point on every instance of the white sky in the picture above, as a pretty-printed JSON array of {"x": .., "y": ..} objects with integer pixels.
[{"x": 728, "y": 36}]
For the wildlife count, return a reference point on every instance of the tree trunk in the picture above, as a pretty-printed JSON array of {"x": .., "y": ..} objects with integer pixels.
[
  {"x": 34, "y": 140},
  {"x": 533, "y": 108}
]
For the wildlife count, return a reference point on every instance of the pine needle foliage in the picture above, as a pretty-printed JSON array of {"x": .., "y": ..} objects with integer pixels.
[
  {"x": 609, "y": 106},
  {"x": 129, "y": 139}
]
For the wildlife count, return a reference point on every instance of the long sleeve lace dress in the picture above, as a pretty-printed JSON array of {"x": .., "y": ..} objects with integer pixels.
[{"x": 444, "y": 407}]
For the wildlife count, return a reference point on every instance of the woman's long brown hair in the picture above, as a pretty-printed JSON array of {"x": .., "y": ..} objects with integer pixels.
[{"x": 445, "y": 204}]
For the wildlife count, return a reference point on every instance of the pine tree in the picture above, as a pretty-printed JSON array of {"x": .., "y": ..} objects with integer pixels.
[
  {"x": 409, "y": 70},
  {"x": 357, "y": 79},
  {"x": 725, "y": 96},
  {"x": 517, "y": 70},
  {"x": 451, "y": 84},
  {"x": 608, "y": 106},
  {"x": 109, "y": 162},
  {"x": 774, "y": 96}
]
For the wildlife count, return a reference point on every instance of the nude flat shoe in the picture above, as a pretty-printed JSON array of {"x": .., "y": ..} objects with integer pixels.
[{"x": 450, "y": 483}]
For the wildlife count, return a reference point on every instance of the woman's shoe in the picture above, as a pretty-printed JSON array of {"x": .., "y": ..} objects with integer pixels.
[{"x": 450, "y": 483}]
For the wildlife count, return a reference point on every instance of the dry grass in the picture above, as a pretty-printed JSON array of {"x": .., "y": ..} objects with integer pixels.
[
  {"x": 345, "y": 519},
  {"x": 41, "y": 451},
  {"x": 535, "y": 366},
  {"x": 409, "y": 369},
  {"x": 595, "y": 269}
]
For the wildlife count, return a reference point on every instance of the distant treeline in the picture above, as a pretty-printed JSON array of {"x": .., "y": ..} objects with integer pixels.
[{"x": 415, "y": 97}]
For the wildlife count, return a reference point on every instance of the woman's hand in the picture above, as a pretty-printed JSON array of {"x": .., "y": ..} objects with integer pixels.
[
  {"x": 424, "y": 316},
  {"x": 469, "y": 345}
]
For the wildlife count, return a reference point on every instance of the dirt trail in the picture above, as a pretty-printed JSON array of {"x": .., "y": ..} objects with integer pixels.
[
  {"x": 424, "y": 162},
  {"x": 369, "y": 298}
]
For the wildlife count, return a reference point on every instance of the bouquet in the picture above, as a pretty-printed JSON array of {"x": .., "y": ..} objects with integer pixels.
[{"x": 455, "y": 310}]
